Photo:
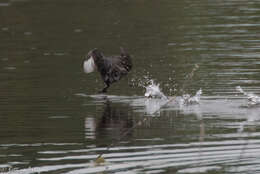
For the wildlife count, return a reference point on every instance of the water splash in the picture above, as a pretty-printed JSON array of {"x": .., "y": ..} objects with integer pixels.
[
  {"x": 153, "y": 91},
  {"x": 252, "y": 98},
  {"x": 187, "y": 99},
  {"x": 160, "y": 100}
]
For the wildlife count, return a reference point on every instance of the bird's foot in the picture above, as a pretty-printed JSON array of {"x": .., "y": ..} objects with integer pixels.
[{"x": 103, "y": 91}]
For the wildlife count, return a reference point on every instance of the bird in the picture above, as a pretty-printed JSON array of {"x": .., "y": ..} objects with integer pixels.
[{"x": 111, "y": 69}]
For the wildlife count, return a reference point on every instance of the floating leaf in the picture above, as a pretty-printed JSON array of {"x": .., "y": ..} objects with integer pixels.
[{"x": 100, "y": 160}]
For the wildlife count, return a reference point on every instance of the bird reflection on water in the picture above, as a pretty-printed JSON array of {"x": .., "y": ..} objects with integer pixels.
[
  {"x": 115, "y": 120},
  {"x": 109, "y": 126}
]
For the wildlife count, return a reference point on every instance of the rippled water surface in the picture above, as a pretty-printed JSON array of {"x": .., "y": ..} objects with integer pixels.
[{"x": 53, "y": 121}]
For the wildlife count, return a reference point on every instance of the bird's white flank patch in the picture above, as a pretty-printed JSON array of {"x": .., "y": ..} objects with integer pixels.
[{"x": 89, "y": 65}]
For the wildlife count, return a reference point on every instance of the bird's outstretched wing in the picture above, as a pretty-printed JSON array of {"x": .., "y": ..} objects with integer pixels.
[{"x": 117, "y": 66}]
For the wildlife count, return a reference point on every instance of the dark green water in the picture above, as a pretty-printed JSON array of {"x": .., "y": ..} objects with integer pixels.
[{"x": 53, "y": 121}]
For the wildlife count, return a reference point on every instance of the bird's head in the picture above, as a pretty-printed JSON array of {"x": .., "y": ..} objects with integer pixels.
[
  {"x": 91, "y": 60},
  {"x": 95, "y": 54}
]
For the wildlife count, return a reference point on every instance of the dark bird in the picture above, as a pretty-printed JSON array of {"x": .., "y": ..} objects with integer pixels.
[{"x": 111, "y": 69}]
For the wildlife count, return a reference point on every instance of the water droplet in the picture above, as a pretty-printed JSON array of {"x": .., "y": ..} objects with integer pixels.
[
  {"x": 4, "y": 59},
  {"x": 78, "y": 30},
  {"x": 28, "y": 33},
  {"x": 10, "y": 68},
  {"x": 5, "y": 29},
  {"x": 46, "y": 54},
  {"x": 171, "y": 44},
  {"x": 59, "y": 54}
]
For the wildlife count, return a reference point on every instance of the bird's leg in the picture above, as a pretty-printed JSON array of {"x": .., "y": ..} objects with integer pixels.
[{"x": 104, "y": 90}]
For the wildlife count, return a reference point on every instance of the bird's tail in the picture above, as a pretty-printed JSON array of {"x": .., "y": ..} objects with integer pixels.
[
  {"x": 123, "y": 51},
  {"x": 126, "y": 59}
]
